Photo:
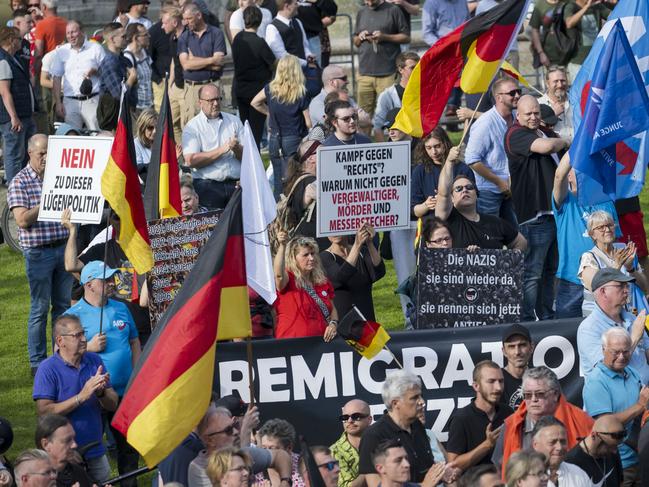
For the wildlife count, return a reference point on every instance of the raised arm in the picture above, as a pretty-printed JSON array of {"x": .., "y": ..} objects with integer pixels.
[{"x": 444, "y": 203}]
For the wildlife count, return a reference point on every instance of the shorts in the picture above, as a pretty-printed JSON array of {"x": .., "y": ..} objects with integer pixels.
[{"x": 632, "y": 227}]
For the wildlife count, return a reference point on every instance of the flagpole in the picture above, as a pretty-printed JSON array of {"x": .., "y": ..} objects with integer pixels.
[
  {"x": 251, "y": 385},
  {"x": 394, "y": 357},
  {"x": 467, "y": 125},
  {"x": 103, "y": 277}
]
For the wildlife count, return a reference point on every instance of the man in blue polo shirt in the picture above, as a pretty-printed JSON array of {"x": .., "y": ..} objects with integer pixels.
[
  {"x": 114, "y": 337},
  {"x": 201, "y": 49},
  {"x": 615, "y": 388},
  {"x": 74, "y": 383}
]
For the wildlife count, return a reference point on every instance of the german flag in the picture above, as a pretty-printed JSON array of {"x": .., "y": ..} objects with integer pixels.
[
  {"x": 510, "y": 70},
  {"x": 366, "y": 337},
  {"x": 162, "y": 190},
  {"x": 170, "y": 388},
  {"x": 120, "y": 185},
  {"x": 476, "y": 49}
]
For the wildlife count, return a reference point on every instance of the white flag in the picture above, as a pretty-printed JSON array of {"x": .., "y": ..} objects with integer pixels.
[{"x": 258, "y": 211}]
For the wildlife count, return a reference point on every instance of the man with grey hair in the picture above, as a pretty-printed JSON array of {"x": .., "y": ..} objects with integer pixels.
[
  {"x": 33, "y": 468},
  {"x": 541, "y": 397},
  {"x": 402, "y": 397},
  {"x": 218, "y": 429},
  {"x": 611, "y": 291},
  {"x": 615, "y": 388}
]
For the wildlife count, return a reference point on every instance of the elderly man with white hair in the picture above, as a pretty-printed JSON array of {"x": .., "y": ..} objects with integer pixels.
[
  {"x": 402, "y": 397},
  {"x": 613, "y": 387},
  {"x": 33, "y": 468}
]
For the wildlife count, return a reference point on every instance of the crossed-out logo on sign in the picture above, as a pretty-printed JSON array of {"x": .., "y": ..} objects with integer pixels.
[{"x": 119, "y": 324}]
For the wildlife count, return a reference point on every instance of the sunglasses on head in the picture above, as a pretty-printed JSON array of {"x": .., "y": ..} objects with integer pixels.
[
  {"x": 354, "y": 417},
  {"x": 329, "y": 465}
]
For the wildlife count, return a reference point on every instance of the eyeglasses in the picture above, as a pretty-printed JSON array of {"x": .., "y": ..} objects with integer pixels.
[
  {"x": 348, "y": 118},
  {"x": 47, "y": 473},
  {"x": 76, "y": 335},
  {"x": 354, "y": 417},
  {"x": 459, "y": 188},
  {"x": 240, "y": 468},
  {"x": 226, "y": 431},
  {"x": 606, "y": 226},
  {"x": 615, "y": 353},
  {"x": 616, "y": 435},
  {"x": 212, "y": 100},
  {"x": 512, "y": 93},
  {"x": 329, "y": 465},
  {"x": 440, "y": 241},
  {"x": 540, "y": 395}
]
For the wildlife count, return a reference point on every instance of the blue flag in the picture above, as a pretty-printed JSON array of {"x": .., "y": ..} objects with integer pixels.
[{"x": 631, "y": 155}]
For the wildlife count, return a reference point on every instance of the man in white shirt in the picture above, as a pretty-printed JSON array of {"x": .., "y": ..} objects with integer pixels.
[
  {"x": 75, "y": 65},
  {"x": 286, "y": 35},
  {"x": 556, "y": 96},
  {"x": 136, "y": 14},
  {"x": 211, "y": 148}
]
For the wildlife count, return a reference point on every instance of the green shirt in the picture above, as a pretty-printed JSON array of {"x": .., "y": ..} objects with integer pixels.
[
  {"x": 542, "y": 20},
  {"x": 587, "y": 28},
  {"x": 348, "y": 460}
]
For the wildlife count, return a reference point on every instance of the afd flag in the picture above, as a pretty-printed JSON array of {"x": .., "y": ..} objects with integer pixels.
[
  {"x": 617, "y": 108},
  {"x": 634, "y": 16}
]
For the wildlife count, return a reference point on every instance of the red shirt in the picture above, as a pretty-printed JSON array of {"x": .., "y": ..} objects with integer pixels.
[
  {"x": 51, "y": 30},
  {"x": 298, "y": 315}
]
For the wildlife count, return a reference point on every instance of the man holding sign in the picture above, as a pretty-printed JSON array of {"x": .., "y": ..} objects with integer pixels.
[{"x": 43, "y": 245}]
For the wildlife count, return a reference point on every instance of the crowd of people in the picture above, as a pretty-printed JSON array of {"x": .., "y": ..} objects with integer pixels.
[{"x": 509, "y": 187}]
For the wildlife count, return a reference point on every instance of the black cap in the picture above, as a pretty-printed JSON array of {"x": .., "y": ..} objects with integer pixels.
[
  {"x": 390, "y": 117},
  {"x": 6, "y": 435},
  {"x": 232, "y": 403},
  {"x": 548, "y": 116},
  {"x": 516, "y": 329},
  {"x": 608, "y": 274}
]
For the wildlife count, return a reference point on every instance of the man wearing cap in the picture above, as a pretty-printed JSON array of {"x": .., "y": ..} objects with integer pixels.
[
  {"x": 517, "y": 349},
  {"x": 74, "y": 382},
  {"x": 112, "y": 336},
  {"x": 533, "y": 154},
  {"x": 556, "y": 97},
  {"x": 611, "y": 291},
  {"x": 136, "y": 14},
  {"x": 615, "y": 388}
]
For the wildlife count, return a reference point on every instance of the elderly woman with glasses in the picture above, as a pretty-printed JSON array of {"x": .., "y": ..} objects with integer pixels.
[
  {"x": 609, "y": 253},
  {"x": 304, "y": 304},
  {"x": 527, "y": 469},
  {"x": 229, "y": 467},
  {"x": 278, "y": 434}
]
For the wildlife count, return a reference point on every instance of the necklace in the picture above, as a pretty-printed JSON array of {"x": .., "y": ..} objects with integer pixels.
[{"x": 601, "y": 471}]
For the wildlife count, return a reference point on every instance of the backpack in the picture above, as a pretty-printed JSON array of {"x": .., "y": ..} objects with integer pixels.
[
  {"x": 567, "y": 40},
  {"x": 286, "y": 220}
]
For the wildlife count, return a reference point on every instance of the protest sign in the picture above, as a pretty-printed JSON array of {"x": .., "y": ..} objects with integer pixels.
[
  {"x": 307, "y": 381},
  {"x": 73, "y": 178},
  {"x": 176, "y": 243},
  {"x": 363, "y": 183},
  {"x": 458, "y": 288}
]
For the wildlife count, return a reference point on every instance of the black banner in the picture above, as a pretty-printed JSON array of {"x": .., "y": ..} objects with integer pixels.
[
  {"x": 307, "y": 381},
  {"x": 458, "y": 288}
]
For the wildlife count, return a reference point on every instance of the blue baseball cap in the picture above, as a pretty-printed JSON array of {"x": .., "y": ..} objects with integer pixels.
[{"x": 96, "y": 269}]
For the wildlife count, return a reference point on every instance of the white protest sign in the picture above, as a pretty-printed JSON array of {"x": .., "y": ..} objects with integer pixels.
[
  {"x": 363, "y": 183},
  {"x": 73, "y": 178}
]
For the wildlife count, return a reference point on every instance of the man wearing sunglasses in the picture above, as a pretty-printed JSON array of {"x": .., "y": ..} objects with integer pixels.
[
  {"x": 344, "y": 119},
  {"x": 598, "y": 455},
  {"x": 355, "y": 418},
  {"x": 334, "y": 78},
  {"x": 327, "y": 465},
  {"x": 615, "y": 388}
]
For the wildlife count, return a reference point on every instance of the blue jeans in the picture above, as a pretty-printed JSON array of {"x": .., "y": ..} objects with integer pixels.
[
  {"x": 569, "y": 299},
  {"x": 48, "y": 282},
  {"x": 490, "y": 203},
  {"x": 279, "y": 149},
  {"x": 214, "y": 195},
  {"x": 540, "y": 268},
  {"x": 316, "y": 48},
  {"x": 15, "y": 146}
]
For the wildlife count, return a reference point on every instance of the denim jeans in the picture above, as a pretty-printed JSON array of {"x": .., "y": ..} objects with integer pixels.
[
  {"x": 98, "y": 468},
  {"x": 214, "y": 195},
  {"x": 405, "y": 263},
  {"x": 490, "y": 203},
  {"x": 15, "y": 146},
  {"x": 569, "y": 299},
  {"x": 279, "y": 149},
  {"x": 316, "y": 48},
  {"x": 539, "y": 268},
  {"x": 48, "y": 282}
]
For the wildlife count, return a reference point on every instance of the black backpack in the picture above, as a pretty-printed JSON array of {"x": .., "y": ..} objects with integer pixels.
[{"x": 567, "y": 40}]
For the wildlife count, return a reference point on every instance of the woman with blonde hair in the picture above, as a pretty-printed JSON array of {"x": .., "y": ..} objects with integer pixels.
[
  {"x": 304, "y": 303},
  {"x": 229, "y": 467},
  {"x": 526, "y": 469},
  {"x": 144, "y": 134},
  {"x": 286, "y": 103}
]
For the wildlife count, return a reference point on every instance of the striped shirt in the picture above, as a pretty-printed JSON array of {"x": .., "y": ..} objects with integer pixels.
[{"x": 25, "y": 191}]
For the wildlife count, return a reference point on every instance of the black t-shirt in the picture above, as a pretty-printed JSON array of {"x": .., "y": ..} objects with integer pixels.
[
  {"x": 532, "y": 174},
  {"x": 609, "y": 466},
  {"x": 71, "y": 474},
  {"x": 468, "y": 426},
  {"x": 253, "y": 62},
  {"x": 159, "y": 51},
  {"x": 490, "y": 232},
  {"x": 310, "y": 14},
  {"x": 416, "y": 444},
  {"x": 127, "y": 283},
  {"x": 512, "y": 390}
]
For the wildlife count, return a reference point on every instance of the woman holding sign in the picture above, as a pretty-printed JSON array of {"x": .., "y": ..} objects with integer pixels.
[{"x": 304, "y": 304}]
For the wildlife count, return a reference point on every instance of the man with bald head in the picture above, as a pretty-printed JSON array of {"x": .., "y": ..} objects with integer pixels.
[
  {"x": 615, "y": 388},
  {"x": 598, "y": 455},
  {"x": 355, "y": 418},
  {"x": 212, "y": 150},
  {"x": 533, "y": 154}
]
